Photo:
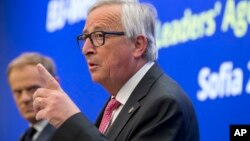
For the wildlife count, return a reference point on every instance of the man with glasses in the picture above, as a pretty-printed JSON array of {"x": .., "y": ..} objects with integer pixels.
[
  {"x": 24, "y": 79},
  {"x": 118, "y": 42}
]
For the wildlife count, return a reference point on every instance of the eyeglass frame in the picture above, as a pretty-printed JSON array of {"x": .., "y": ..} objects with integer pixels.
[{"x": 104, "y": 33}]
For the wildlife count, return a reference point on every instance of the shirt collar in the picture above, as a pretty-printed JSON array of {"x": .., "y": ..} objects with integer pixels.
[
  {"x": 126, "y": 90},
  {"x": 39, "y": 126}
]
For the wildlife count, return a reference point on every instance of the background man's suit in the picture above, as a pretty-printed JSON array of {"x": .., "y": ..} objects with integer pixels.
[
  {"x": 157, "y": 110},
  {"x": 46, "y": 133}
]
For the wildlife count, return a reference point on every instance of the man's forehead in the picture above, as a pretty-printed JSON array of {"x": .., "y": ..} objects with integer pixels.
[
  {"x": 100, "y": 27},
  {"x": 102, "y": 20}
]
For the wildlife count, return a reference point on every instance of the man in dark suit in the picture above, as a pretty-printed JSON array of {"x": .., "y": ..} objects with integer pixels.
[
  {"x": 118, "y": 42},
  {"x": 24, "y": 79}
]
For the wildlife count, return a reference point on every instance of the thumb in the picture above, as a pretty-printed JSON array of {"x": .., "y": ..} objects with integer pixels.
[{"x": 51, "y": 82}]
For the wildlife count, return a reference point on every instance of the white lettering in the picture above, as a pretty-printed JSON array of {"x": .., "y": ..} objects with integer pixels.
[
  {"x": 190, "y": 27},
  {"x": 202, "y": 79},
  {"x": 61, "y": 12},
  {"x": 248, "y": 82},
  {"x": 243, "y": 131},
  {"x": 55, "y": 19},
  {"x": 236, "y": 17},
  {"x": 239, "y": 132},
  {"x": 227, "y": 82}
]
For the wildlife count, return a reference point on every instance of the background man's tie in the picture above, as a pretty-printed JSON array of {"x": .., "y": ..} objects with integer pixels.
[
  {"x": 29, "y": 134},
  {"x": 112, "y": 105}
]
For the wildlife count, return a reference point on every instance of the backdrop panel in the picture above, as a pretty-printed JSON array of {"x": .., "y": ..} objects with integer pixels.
[{"x": 204, "y": 46}]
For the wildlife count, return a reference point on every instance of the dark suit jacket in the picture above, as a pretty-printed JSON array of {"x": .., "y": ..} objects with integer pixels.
[
  {"x": 157, "y": 110},
  {"x": 46, "y": 134}
]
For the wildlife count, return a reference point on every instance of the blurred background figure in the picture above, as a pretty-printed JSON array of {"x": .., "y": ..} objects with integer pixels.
[{"x": 24, "y": 79}]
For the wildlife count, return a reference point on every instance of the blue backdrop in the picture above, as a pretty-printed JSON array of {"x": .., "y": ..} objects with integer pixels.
[{"x": 203, "y": 45}]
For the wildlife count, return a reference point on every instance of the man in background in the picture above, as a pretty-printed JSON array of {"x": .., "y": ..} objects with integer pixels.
[{"x": 24, "y": 79}]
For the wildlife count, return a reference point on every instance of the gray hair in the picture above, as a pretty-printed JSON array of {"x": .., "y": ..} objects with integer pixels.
[
  {"x": 32, "y": 58},
  {"x": 137, "y": 19}
]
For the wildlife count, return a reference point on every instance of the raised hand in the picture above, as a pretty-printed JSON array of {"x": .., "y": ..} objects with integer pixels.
[{"x": 52, "y": 103}]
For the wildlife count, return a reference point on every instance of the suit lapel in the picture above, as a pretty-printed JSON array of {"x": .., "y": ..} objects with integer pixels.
[
  {"x": 128, "y": 110},
  {"x": 99, "y": 118},
  {"x": 133, "y": 103},
  {"x": 46, "y": 133}
]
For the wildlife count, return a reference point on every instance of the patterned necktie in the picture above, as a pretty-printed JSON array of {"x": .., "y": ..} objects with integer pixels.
[
  {"x": 112, "y": 105},
  {"x": 29, "y": 134}
]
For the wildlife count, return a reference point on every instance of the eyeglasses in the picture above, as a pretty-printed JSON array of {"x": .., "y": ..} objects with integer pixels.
[{"x": 97, "y": 38}]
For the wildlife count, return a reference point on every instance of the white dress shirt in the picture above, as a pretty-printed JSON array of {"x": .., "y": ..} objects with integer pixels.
[
  {"x": 127, "y": 89},
  {"x": 39, "y": 126}
]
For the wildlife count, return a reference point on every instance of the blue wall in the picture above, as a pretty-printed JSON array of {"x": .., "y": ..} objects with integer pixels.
[{"x": 204, "y": 46}]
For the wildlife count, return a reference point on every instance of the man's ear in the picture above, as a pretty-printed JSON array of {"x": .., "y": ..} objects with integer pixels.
[{"x": 141, "y": 44}]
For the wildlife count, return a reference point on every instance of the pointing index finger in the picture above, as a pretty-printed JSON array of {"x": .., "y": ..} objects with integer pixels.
[{"x": 51, "y": 82}]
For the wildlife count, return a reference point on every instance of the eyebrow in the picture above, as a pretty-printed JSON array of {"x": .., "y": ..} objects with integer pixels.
[
  {"x": 27, "y": 88},
  {"x": 97, "y": 28}
]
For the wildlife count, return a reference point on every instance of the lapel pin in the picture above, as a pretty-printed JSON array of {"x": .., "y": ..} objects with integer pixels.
[{"x": 131, "y": 110}]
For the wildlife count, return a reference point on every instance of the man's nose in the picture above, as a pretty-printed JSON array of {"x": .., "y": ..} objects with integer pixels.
[
  {"x": 26, "y": 95},
  {"x": 88, "y": 48}
]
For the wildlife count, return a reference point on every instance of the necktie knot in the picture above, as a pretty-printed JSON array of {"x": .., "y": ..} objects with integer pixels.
[
  {"x": 29, "y": 134},
  {"x": 113, "y": 104}
]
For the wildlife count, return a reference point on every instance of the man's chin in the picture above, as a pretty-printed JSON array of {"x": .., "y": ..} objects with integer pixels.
[{"x": 31, "y": 117}]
